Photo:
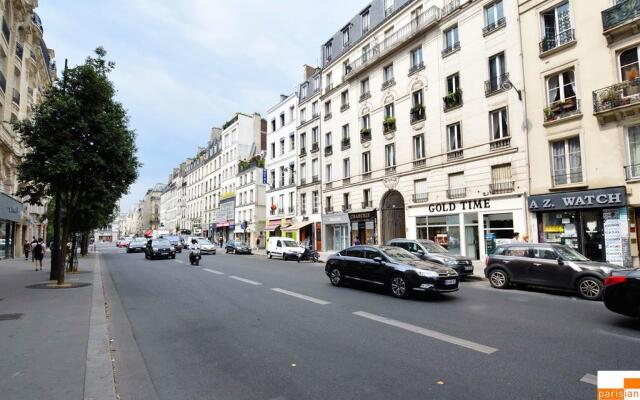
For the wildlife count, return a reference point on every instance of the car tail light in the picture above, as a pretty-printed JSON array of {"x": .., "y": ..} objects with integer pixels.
[{"x": 614, "y": 280}]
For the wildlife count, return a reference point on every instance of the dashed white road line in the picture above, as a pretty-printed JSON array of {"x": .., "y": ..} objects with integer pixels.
[
  {"x": 302, "y": 296},
  {"x": 429, "y": 333},
  {"x": 250, "y": 282},
  {"x": 179, "y": 261},
  {"x": 618, "y": 335},
  {"x": 213, "y": 271},
  {"x": 590, "y": 379}
]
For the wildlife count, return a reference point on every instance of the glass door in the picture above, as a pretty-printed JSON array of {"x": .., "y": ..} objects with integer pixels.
[
  {"x": 473, "y": 249},
  {"x": 592, "y": 235}
]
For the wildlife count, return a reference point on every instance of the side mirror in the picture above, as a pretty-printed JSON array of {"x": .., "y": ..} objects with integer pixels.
[
  {"x": 420, "y": 252},
  {"x": 378, "y": 260},
  {"x": 560, "y": 262}
]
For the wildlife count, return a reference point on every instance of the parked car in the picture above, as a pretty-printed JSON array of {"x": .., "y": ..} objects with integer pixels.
[
  {"x": 394, "y": 267},
  {"x": 206, "y": 247},
  {"x": 622, "y": 292},
  {"x": 136, "y": 246},
  {"x": 429, "y": 250},
  {"x": 124, "y": 243},
  {"x": 175, "y": 242},
  {"x": 237, "y": 247},
  {"x": 159, "y": 248},
  {"x": 284, "y": 247},
  {"x": 550, "y": 265}
]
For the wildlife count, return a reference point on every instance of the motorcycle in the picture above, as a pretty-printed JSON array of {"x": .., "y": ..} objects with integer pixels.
[
  {"x": 194, "y": 256},
  {"x": 309, "y": 255}
]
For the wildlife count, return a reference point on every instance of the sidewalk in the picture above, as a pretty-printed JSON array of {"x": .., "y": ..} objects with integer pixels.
[{"x": 44, "y": 351}]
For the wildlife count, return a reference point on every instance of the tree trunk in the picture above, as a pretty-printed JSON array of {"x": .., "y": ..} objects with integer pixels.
[
  {"x": 57, "y": 265},
  {"x": 72, "y": 267},
  {"x": 85, "y": 244}
]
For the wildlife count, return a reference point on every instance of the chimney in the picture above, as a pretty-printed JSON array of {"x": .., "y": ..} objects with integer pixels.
[{"x": 308, "y": 72}]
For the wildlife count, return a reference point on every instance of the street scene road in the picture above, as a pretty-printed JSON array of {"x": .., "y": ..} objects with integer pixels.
[{"x": 245, "y": 327}]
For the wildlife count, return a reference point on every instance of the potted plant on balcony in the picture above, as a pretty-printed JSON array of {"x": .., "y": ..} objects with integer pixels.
[
  {"x": 633, "y": 87},
  {"x": 607, "y": 98},
  {"x": 389, "y": 123},
  {"x": 365, "y": 132},
  {"x": 548, "y": 114}
]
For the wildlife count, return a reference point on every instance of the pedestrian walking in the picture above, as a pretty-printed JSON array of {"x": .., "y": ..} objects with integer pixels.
[
  {"x": 38, "y": 253},
  {"x": 357, "y": 241},
  {"x": 516, "y": 237},
  {"x": 220, "y": 240},
  {"x": 27, "y": 249},
  {"x": 33, "y": 245}
]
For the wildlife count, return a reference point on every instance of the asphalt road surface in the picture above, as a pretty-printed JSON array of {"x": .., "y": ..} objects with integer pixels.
[{"x": 245, "y": 327}]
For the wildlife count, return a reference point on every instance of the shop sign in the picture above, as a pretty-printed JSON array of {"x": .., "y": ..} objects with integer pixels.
[
  {"x": 335, "y": 219},
  {"x": 10, "y": 209},
  {"x": 467, "y": 205},
  {"x": 599, "y": 198},
  {"x": 363, "y": 216}
]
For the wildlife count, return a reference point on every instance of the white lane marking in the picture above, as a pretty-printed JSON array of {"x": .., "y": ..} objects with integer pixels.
[
  {"x": 590, "y": 379},
  {"x": 429, "y": 333},
  {"x": 301, "y": 296},
  {"x": 212, "y": 271},
  {"x": 245, "y": 280},
  {"x": 179, "y": 261},
  {"x": 618, "y": 335}
]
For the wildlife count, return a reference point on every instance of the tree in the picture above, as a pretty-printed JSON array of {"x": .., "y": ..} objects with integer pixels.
[{"x": 80, "y": 150}]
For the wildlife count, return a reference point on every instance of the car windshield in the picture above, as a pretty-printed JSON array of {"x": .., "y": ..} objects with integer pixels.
[
  {"x": 289, "y": 243},
  {"x": 433, "y": 247},
  {"x": 139, "y": 242},
  {"x": 240, "y": 244},
  {"x": 204, "y": 241},
  {"x": 569, "y": 254},
  {"x": 400, "y": 254},
  {"x": 161, "y": 243},
  {"x": 172, "y": 238}
]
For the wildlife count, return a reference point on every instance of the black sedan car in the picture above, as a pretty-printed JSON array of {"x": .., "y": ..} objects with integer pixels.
[
  {"x": 237, "y": 247},
  {"x": 175, "y": 242},
  {"x": 622, "y": 292},
  {"x": 159, "y": 248},
  {"x": 397, "y": 269},
  {"x": 136, "y": 245},
  {"x": 429, "y": 250},
  {"x": 549, "y": 265}
]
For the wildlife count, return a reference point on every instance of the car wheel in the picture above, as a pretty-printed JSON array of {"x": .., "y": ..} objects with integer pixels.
[
  {"x": 173, "y": 256},
  {"x": 235, "y": 251},
  {"x": 399, "y": 286},
  {"x": 499, "y": 279},
  {"x": 269, "y": 255},
  {"x": 335, "y": 276},
  {"x": 590, "y": 288}
]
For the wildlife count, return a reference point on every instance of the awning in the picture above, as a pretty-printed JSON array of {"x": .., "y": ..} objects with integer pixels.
[
  {"x": 273, "y": 225},
  {"x": 222, "y": 224},
  {"x": 297, "y": 226}
]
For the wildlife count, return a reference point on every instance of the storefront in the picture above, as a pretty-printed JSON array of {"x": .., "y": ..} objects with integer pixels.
[
  {"x": 277, "y": 228},
  {"x": 10, "y": 214},
  {"x": 471, "y": 228},
  {"x": 337, "y": 232},
  {"x": 225, "y": 224},
  {"x": 594, "y": 222},
  {"x": 364, "y": 227}
]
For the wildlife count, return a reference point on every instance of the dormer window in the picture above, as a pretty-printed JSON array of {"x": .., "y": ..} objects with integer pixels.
[
  {"x": 328, "y": 50},
  {"x": 345, "y": 37}
]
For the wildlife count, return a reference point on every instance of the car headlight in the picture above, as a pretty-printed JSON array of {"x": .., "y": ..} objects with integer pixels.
[
  {"x": 451, "y": 261},
  {"x": 155, "y": 249},
  {"x": 426, "y": 273},
  {"x": 172, "y": 248}
]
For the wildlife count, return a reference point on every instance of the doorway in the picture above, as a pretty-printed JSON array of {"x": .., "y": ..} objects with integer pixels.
[
  {"x": 592, "y": 234},
  {"x": 393, "y": 223}
]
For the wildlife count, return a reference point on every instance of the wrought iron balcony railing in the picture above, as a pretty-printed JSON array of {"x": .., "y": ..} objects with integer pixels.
[
  {"x": 455, "y": 155},
  {"x": 420, "y": 197},
  {"x": 501, "y": 187},
  {"x": 346, "y": 143},
  {"x": 450, "y": 49},
  {"x": 500, "y": 143},
  {"x": 490, "y": 28},
  {"x": 328, "y": 150},
  {"x": 495, "y": 84},
  {"x": 365, "y": 135},
  {"x": 562, "y": 109},
  {"x": 389, "y": 125},
  {"x": 563, "y": 178},
  {"x": 367, "y": 204},
  {"x": 551, "y": 42},
  {"x": 19, "y": 51},
  {"x": 452, "y": 100},
  {"x": 616, "y": 96},
  {"x": 621, "y": 13},
  {"x": 457, "y": 193},
  {"x": 417, "y": 114}
]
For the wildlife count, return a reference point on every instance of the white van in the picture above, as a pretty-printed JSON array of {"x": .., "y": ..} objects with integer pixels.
[{"x": 283, "y": 247}]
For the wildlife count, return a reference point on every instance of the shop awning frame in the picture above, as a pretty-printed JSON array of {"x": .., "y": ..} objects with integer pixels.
[{"x": 297, "y": 226}]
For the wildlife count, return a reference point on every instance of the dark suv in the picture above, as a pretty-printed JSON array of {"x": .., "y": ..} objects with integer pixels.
[
  {"x": 391, "y": 267},
  {"x": 551, "y": 265},
  {"x": 429, "y": 250}
]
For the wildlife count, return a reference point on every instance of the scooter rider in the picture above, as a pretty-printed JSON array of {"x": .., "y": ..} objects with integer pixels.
[{"x": 194, "y": 252}]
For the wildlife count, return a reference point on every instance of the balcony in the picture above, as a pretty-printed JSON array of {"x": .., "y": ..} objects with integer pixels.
[
  {"x": 571, "y": 178},
  {"x": 365, "y": 96},
  {"x": 19, "y": 51},
  {"x": 447, "y": 51},
  {"x": 328, "y": 88},
  {"x": 303, "y": 152},
  {"x": 452, "y": 100},
  {"x": 303, "y": 181},
  {"x": 495, "y": 84},
  {"x": 417, "y": 113},
  {"x": 366, "y": 176},
  {"x": 453, "y": 155},
  {"x": 632, "y": 172},
  {"x": 420, "y": 198},
  {"x": 291, "y": 210},
  {"x": 315, "y": 147},
  {"x": 328, "y": 150},
  {"x": 344, "y": 107},
  {"x": 346, "y": 181},
  {"x": 315, "y": 179},
  {"x": 389, "y": 125},
  {"x": 561, "y": 110},
  {"x": 500, "y": 144},
  {"x": 367, "y": 204},
  {"x": 3, "y": 82},
  {"x": 346, "y": 207},
  {"x": 15, "y": 97},
  {"x": 495, "y": 26},
  {"x": 5, "y": 30},
  {"x": 327, "y": 116},
  {"x": 501, "y": 187},
  {"x": 328, "y": 210},
  {"x": 551, "y": 44},
  {"x": 387, "y": 84},
  {"x": 617, "y": 102},
  {"x": 365, "y": 135},
  {"x": 390, "y": 170},
  {"x": 315, "y": 210},
  {"x": 421, "y": 163},
  {"x": 419, "y": 24},
  {"x": 621, "y": 21},
  {"x": 457, "y": 193},
  {"x": 416, "y": 68},
  {"x": 450, "y": 7},
  {"x": 345, "y": 143}
]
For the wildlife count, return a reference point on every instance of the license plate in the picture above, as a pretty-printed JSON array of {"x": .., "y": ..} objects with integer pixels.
[
  {"x": 450, "y": 282},
  {"x": 469, "y": 268}
]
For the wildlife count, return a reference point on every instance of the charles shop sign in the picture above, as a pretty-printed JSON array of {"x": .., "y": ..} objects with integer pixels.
[{"x": 599, "y": 198}]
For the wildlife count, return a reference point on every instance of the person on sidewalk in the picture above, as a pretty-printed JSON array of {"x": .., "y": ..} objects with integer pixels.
[
  {"x": 27, "y": 248},
  {"x": 33, "y": 245},
  {"x": 357, "y": 241},
  {"x": 38, "y": 253},
  {"x": 221, "y": 241}
]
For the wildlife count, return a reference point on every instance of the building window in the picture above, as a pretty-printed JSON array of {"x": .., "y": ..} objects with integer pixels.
[
  {"x": 456, "y": 185},
  {"x": 345, "y": 202},
  {"x": 327, "y": 107},
  {"x": 501, "y": 180},
  {"x": 453, "y": 83},
  {"x": 561, "y": 93},
  {"x": 346, "y": 68},
  {"x": 282, "y": 176},
  {"x": 364, "y": 87},
  {"x": 454, "y": 137},
  {"x": 366, "y": 162},
  {"x": 316, "y": 84},
  {"x": 273, "y": 150},
  {"x": 497, "y": 72},
  {"x": 292, "y": 141},
  {"x": 390, "y": 155},
  {"x": 303, "y": 173},
  {"x": 633, "y": 139},
  {"x": 388, "y": 7},
  {"x": 345, "y": 37},
  {"x": 420, "y": 190},
  {"x": 328, "y": 175},
  {"x": 304, "y": 91},
  {"x": 346, "y": 168},
  {"x": 328, "y": 51},
  {"x": 366, "y": 21},
  {"x": 315, "y": 170},
  {"x": 273, "y": 125},
  {"x": 328, "y": 204},
  {"x": 416, "y": 58},
  {"x": 365, "y": 53},
  {"x": 344, "y": 98},
  {"x": 387, "y": 73},
  {"x": 303, "y": 202},
  {"x": 303, "y": 115},
  {"x": 281, "y": 119},
  {"x": 345, "y": 131},
  {"x": 567, "y": 161},
  {"x": 629, "y": 67},
  {"x": 451, "y": 40},
  {"x": 494, "y": 15},
  {"x": 303, "y": 140},
  {"x": 314, "y": 109},
  {"x": 329, "y": 80},
  {"x": 418, "y": 147},
  {"x": 417, "y": 98},
  {"x": 556, "y": 27},
  {"x": 366, "y": 121},
  {"x": 291, "y": 113},
  {"x": 499, "y": 124},
  {"x": 366, "y": 197},
  {"x": 389, "y": 111},
  {"x": 314, "y": 136},
  {"x": 327, "y": 139},
  {"x": 315, "y": 197}
]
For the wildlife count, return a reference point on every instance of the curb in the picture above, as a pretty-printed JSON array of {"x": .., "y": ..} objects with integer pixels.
[{"x": 99, "y": 383}]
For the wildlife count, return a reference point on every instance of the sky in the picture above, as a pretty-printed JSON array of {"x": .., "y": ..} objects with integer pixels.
[{"x": 185, "y": 66}]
